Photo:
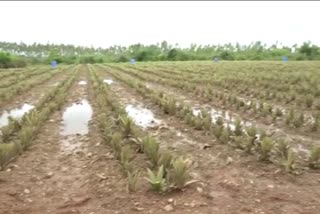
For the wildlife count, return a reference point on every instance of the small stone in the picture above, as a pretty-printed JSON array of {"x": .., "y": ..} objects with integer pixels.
[
  {"x": 192, "y": 204},
  {"x": 139, "y": 208},
  {"x": 26, "y": 191},
  {"x": 89, "y": 155},
  {"x": 270, "y": 186},
  {"x": 9, "y": 170},
  {"x": 199, "y": 189},
  {"x": 206, "y": 146},
  {"x": 229, "y": 160},
  {"x": 29, "y": 200},
  {"x": 170, "y": 200},
  {"x": 168, "y": 208},
  {"x": 258, "y": 200},
  {"x": 49, "y": 175}
]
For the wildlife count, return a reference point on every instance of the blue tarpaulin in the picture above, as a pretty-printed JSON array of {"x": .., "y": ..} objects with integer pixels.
[
  {"x": 54, "y": 64},
  {"x": 285, "y": 59},
  {"x": 132, "y": 61}
]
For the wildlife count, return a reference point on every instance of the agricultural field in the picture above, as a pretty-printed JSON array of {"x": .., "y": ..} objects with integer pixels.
[{"x": 161, "y": 137}]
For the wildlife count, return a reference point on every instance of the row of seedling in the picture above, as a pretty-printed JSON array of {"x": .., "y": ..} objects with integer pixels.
[
  {"x": 292, "y": 119},
  {"x": 23, "y": 76},
  {"x": 126, "y": 139},
  {"x": 269, "y": 89},
  {"x": 19, "y": 134},
  {"x": 249, "y": 139},
  {"x": 20, "y": 88}
]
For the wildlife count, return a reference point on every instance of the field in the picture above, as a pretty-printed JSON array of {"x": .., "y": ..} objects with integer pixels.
[{"x": 161, "y": 137}]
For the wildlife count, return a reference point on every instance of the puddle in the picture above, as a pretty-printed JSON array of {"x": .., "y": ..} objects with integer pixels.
[
  {"x": 76, "y": 118},
  {"x": 226, "y": 116},
  {"x": 108, "y": 81},
  {"x": 82, "y": 82},
  {"x": 142, "y": 116},
  {"x": 15, "y": 113}
]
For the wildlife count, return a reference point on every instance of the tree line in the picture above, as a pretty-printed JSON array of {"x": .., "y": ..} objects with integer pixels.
[{"x": 19, "y": 54}]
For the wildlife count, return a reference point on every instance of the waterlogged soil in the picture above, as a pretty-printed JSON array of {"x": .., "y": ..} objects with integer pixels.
[
  {"x": 304, "y": 140},
  {"x": 230, "y": 181},
  {"x": 77, "y": 173},
  {"x": 16, "y": 113}
]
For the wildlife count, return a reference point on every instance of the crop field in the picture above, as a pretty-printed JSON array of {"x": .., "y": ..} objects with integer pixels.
[{"x": 161, "y": 137}]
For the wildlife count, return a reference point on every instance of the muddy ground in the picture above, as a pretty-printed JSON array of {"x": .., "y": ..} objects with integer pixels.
[{"x": 77, "y": 173}]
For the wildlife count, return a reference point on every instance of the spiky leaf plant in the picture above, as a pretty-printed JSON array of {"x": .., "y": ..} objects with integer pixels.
[
  {"x": 238, "y": 128},
  {"x": 151, "y": 149},
  {"x": 283, "y": 148},
  {"x": 266, "y": 147},
  {"x": 179, "y": 174},
  {"x": 6, "y": 153},
  {"x": 157, "y": 181},
  {"x": 132, "y": 180},
  {"x": 116, "y": 144},
  {"x": 314, "y": 158},
  {"x": 127, "y": 125},
  {"x": 289, "y": 161}
]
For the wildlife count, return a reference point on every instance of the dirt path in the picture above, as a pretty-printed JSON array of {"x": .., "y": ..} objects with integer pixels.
[{"x": 244, "y": 186}]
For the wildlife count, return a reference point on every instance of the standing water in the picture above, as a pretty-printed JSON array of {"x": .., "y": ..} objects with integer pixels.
[
  {"x": 108, "y": 81},
  {"x": 76, "y": 118},
  {"x": 15, "y": 113},
  {"x": 82, "y": 82},
  {"x": 142, "y": 116}
]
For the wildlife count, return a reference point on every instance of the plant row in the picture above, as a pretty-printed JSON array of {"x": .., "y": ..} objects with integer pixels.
[
  {"x": 9, "y": 93},
  {"x": 22, "y": 76},
  {"x": 127, "y": 140},
  {"x": 249, "y": 139},
  {"x": 299, "y": 87},
  {"x": 289, "y": 118},
  {"x": 18, "y": 135}
]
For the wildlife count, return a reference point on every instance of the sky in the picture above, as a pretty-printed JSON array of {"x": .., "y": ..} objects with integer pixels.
[{"x": 104, "y": 24}]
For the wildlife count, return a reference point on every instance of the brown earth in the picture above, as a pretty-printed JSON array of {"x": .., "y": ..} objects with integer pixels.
[{"x": 51, "y": 178}]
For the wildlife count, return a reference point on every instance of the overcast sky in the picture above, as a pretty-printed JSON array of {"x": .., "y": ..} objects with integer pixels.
[{"x": 123, "y": 23}]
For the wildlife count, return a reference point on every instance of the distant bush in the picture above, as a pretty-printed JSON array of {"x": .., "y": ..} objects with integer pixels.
[{"x": 9, "y": 61}]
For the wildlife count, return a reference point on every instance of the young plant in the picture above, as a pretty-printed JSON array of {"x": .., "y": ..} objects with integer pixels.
[
  {"x": 116, "y": 144},
  {"x": 314, "y": 158},
  {"x": 283, "y": 148},
  {"x": 217, "y": 131},
  {"x": 289, "y": 161},
  {"x": 179, "y": 174},
  {"x": 132, "y": 180},
  {"x": 151, "y": 149},
  {"x": 126, "y": 156},
  {"x": 169, "y": 106},
  {"x": 127, "y": 125},
  {"x": 165, "y": 160},
  {"x": 265, "y": 149},
  {"x": 238, "y": 128},
  {"x": 157, "y": 181},
  {"x": 225, "y": 137},
  {"x": 6, "y": 153},
  {"x": 25, "y": 136}
]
